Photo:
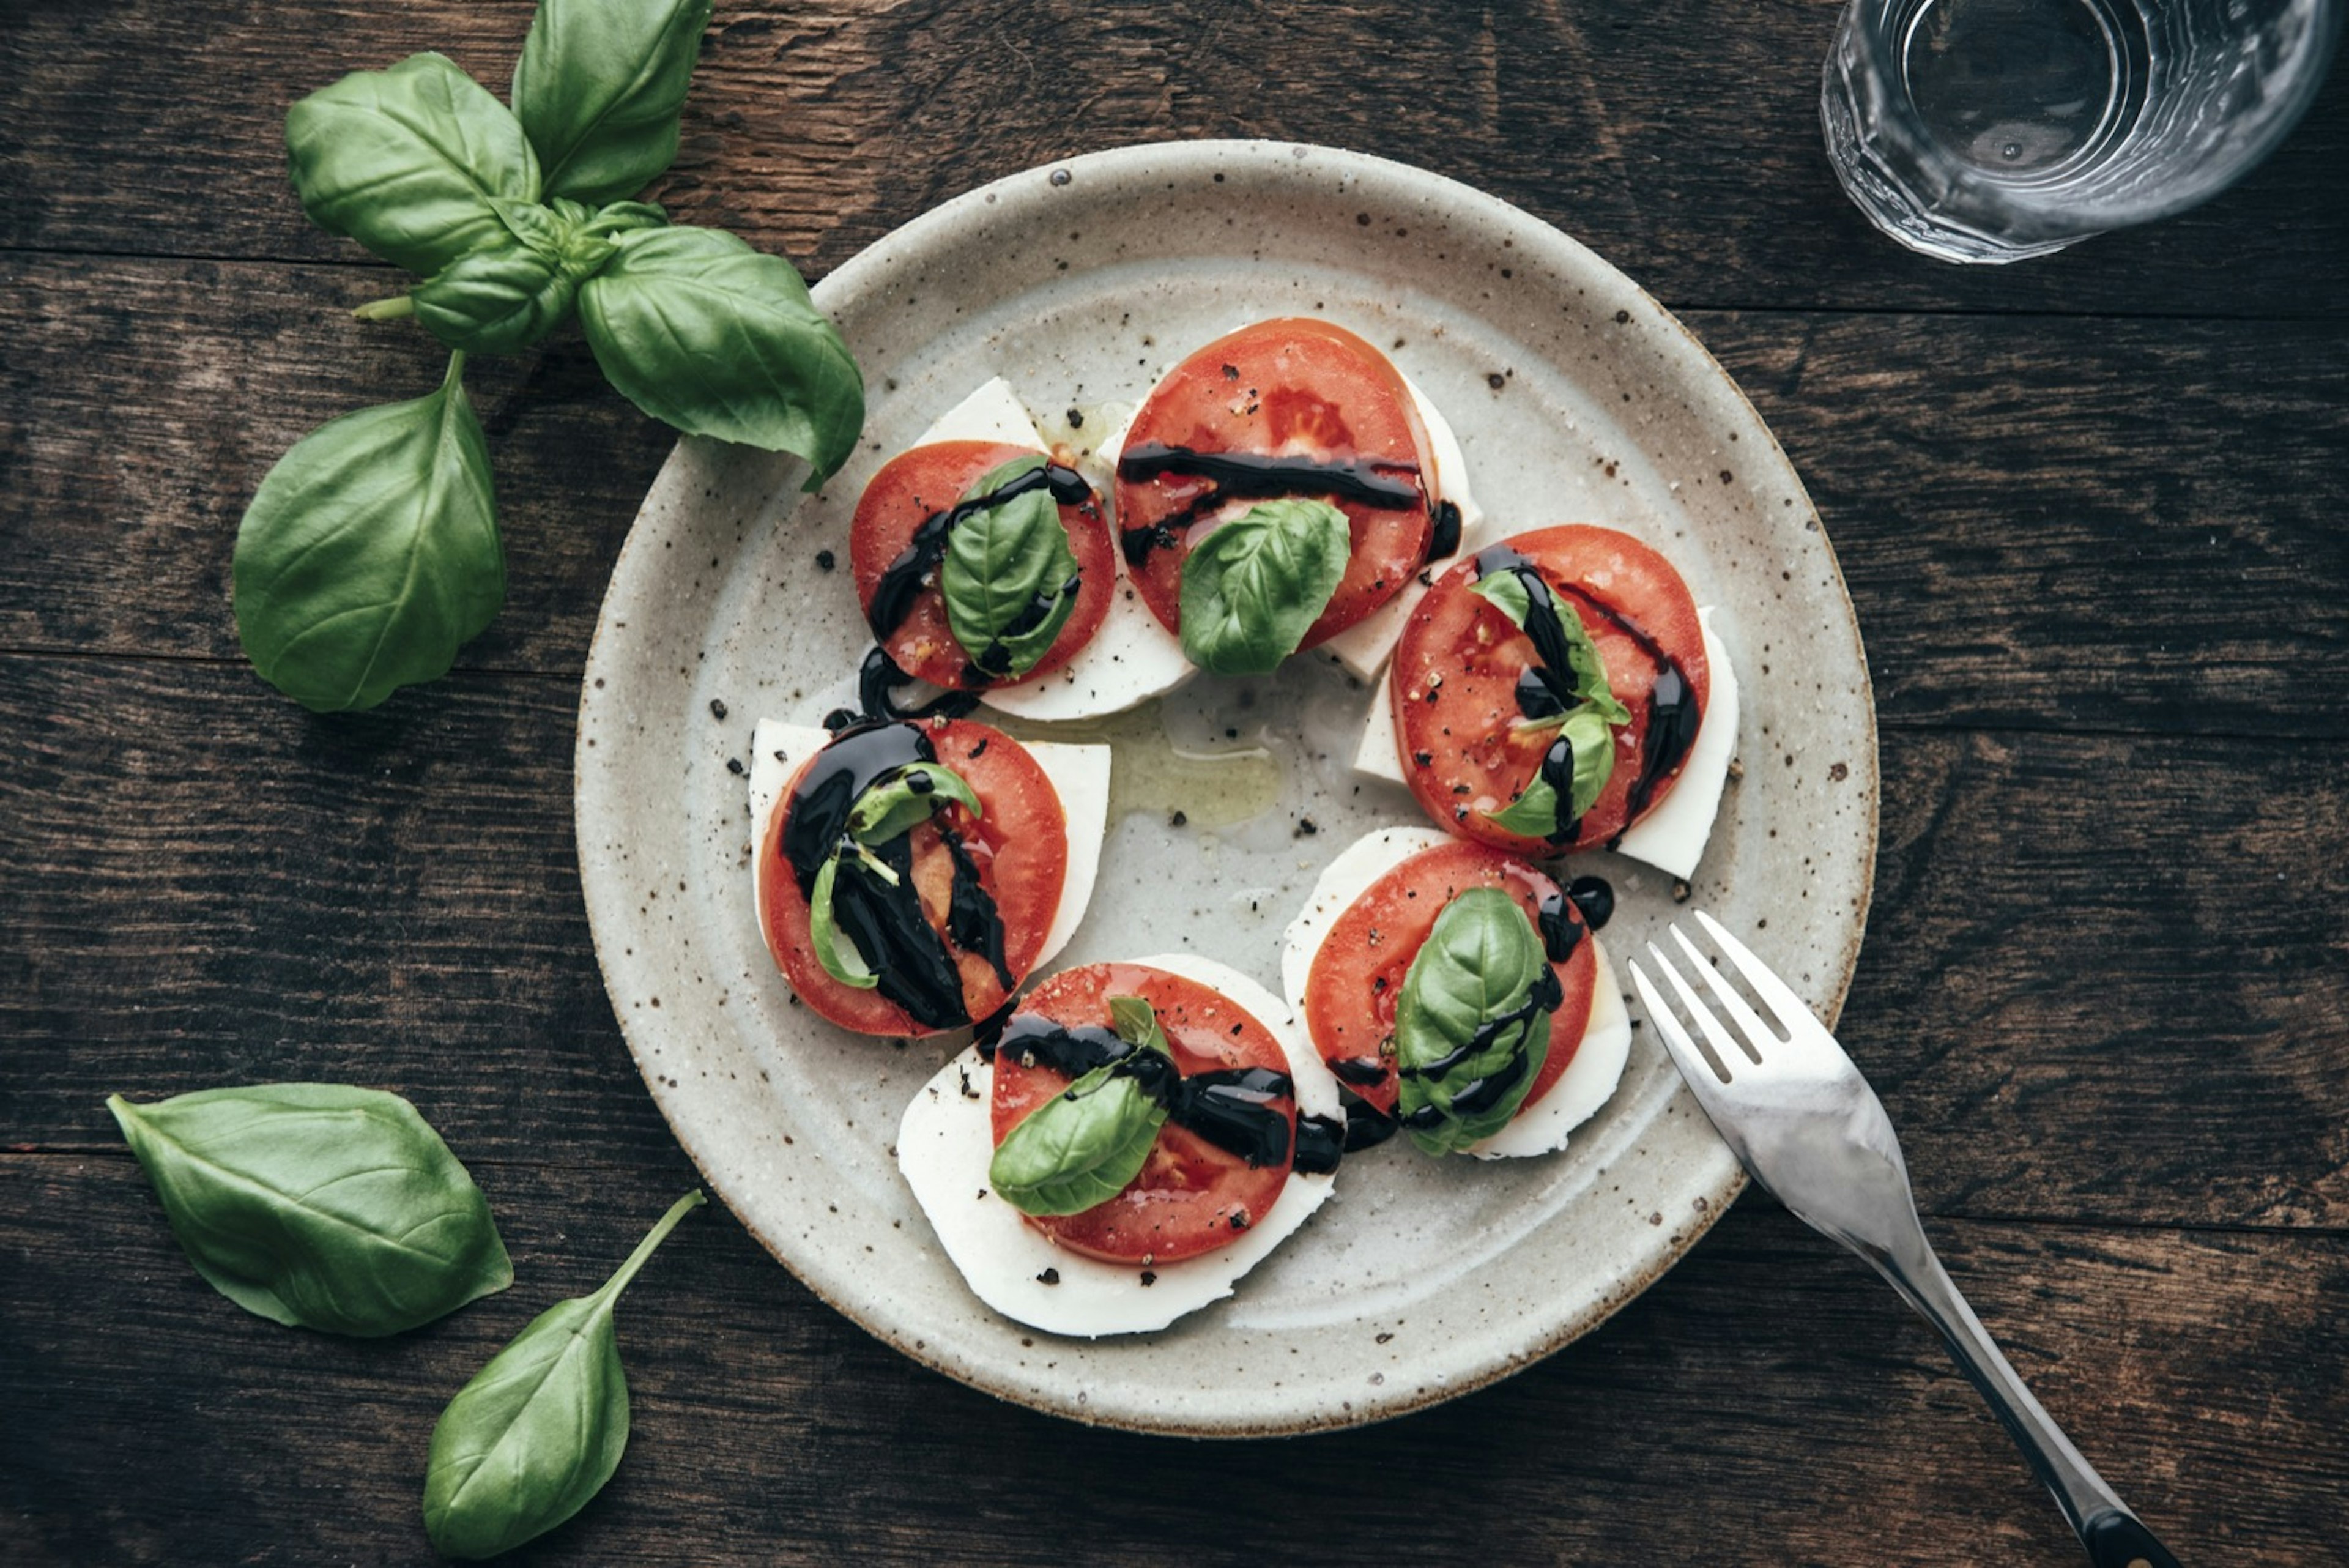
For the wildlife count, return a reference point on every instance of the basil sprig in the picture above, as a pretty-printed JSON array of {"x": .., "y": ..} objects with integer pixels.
[
  {"x": 514, "y": 219},
  {"x": 1009, "y": 578},
  {"x": 1472, "y": 1026},
  {"x": 1079, "y": 1149},
  {"x": 1256, "y": 584},
  {"x": 1586, "y": 709},
  {"x": 894, "y": 805},
  {"x": 319, "y": 1205},
  {"x": 541, "y": 1428}
]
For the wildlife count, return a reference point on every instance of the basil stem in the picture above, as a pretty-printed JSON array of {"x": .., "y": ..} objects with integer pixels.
[
  {"x": 370, "y": 553},
  {"x": 1472, "y": 1026},
  {"x": 319, "y": 1205},
  {"x": 598, "y": 88},
  {"x": 408, "y": 161},
  {"x": 1254, "y": 586},
  {"x": 541, "y": 1428},
  {"x": 1009, "y": 578},
  {"x": 1079, "y": 1149}
]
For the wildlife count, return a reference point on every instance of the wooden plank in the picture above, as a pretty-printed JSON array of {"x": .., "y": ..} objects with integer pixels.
[
  {"x": 1682, "y": 143},
  {"x": 1767, "y": 1401},
  {"x": 2084, "y": 555},
  {"x": 2105, "y": 979}
]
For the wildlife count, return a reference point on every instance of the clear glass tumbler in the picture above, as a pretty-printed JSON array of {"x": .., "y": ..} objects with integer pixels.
[{"x": 1988, "y": 130}]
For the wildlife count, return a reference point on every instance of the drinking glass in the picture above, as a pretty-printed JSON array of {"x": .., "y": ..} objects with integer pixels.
[{"x": 1988, "y": 130}]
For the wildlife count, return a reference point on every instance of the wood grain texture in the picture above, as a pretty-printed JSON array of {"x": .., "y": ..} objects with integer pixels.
[
  {"x": 1768, "y": 1402},
  {"x": 211, "y": 886},
  {"x": 2082, "y": 524},
  {"x": 1682, "y": 143}
]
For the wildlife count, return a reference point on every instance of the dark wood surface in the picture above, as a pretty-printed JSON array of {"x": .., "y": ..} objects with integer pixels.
[{"x": 2091, "y": 511}]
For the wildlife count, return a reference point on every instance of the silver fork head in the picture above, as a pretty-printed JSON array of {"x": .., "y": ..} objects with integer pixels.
[{"x": 1787, "y": 1099}]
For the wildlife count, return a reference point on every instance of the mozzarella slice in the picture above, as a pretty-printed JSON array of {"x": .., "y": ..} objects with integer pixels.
[
  {"x": 1673, "y": 837},
  {"x": 1132, "y": 658},
  {"x": 1365, "y": 647},
  {"x": 1606, "y": 1045},
  {"x": 1078, "y": 774},
  {"x": 946, "y": 1141}
]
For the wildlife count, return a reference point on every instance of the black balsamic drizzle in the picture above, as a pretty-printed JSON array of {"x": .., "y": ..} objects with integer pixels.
[
  {"x": 878, "y": 676},
  {"x": 1321, "y": 1142},
  {"x": 1229, "y": 1108},
  {"x": 1545, "y": 997},
  {"x": 972, "y": 919},
  {"x": 915, "y": 565},
  {"x": 1561, "y": 933},
  {"x": 1384, "y": 485},
  {"x": 1595, "y": 897},
  {"x": 1367, "y": 1126},
  {"x": 1362, "y": 1072}
]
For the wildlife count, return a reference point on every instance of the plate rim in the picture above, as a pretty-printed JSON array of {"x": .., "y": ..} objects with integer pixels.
[{"x": 1197, "y": 160}]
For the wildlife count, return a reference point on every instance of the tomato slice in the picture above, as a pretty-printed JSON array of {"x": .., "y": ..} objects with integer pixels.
[
  {"x": 1019, "y": 847},
  {"x": 910, "y": 489},
  {"x": 1357, "y": 977},
  {"x": 1191, "y": 1196},
  {"x": 1293, "y": 387},
  {"x": 1454, "y": 683}
]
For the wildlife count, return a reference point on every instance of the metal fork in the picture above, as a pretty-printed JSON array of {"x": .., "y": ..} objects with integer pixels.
[{"x": 1797, "y": 1114}]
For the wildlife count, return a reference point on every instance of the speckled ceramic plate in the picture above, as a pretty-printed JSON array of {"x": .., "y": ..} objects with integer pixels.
[{"x": 1576, "y": 398}]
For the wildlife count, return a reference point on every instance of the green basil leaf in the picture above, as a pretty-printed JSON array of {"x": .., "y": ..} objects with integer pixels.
[
  {"x": 1003, "y": 567},
  {"x": 896, "y": 804},
  {"x": 1508, "y": 593},
  {"x": 1254, "y": 586},
  {"x": 409, "y": 161},
  {"x": 598, "y": 87},
  {"x": 1480, "y": 964},
  {"x": 622, "y": 216},
  {"x": 834, "y": 950},
  {"x": 541, "y": 1428},
  {"x": 370, "y": 553},
  {"x": 319, "y": 1205},
  {"x": 1078, "y": 1149},
  {"x": 498, "y": 298},
  {"x": 1136, "y": 1023},
  {"x": 704, "y": 332},
  {"x": 1536, "y": 813}
]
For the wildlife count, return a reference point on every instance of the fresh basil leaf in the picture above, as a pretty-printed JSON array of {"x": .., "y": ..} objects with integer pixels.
[
  {"x": 1585, "y": 670},
  {"x": 1136, "y": 1023},
  {"x": 541, "y": 1428},
  {"x": 319, "y": 1205},
  {"x": 704, "y": 332},
  {"x": 897, "y": 802},
  {"x": 1009, "y": 578},
  {"x": 370, "y": 553},
  {"x": 1534, "y": 813},
  {"x": 1537, "y": 812},
  {"x": 1481, "y": 964},
  {"x": 598, "y": 87},
  {"x": 834, "y": 950},
  {"x": 408, "y": 162},
  {"x": 1078, "y": 1149},
  {"x": 622, "y": 216},
  {"x": 1256, "y": 584},
  {"x": 496, "y": 299}
]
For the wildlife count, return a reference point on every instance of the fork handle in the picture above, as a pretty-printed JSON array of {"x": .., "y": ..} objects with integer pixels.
[{"x": 2114, "y": 1537}]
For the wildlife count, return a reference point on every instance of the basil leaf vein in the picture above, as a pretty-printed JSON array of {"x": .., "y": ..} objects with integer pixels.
[
  {"x": 1009, "y": 578},
  {"x": 540, "y": 1430},
  {"x": 598, "y": 87},
  {"x": 319, "y": 1205},
  {"x": 1254, "y": 586},
  {"x": 1481, "y": 964}
]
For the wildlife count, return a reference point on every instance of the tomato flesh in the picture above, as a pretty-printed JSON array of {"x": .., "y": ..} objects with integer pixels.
[
  {"x": 1454, "y": 683},
  {"x": 1191, "y": 1196},
  {"x": 1288, "y": 387},
  {"x": 1019, "y": 844},
  {"x": 913, "y": 487},
  {"x": 1357, "y": 978}
]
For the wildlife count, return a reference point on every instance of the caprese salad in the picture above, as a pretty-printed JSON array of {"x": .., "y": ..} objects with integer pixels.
[{"x": 1132, "y": 1140}]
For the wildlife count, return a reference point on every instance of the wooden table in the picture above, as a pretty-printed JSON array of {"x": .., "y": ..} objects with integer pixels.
[{"x": 2090, "y": 510}]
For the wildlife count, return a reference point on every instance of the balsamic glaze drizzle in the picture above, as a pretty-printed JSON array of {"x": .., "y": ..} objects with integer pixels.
[
  {"x": 1545, "y": 997},
  {"x": 1595, "y": 898},
  {"x": 1367, "y": 1126},
  {"x": 1230, "y": 1107},
  {"x": 905, "y": 578},
  {"x": 1321, "y": 1142},
  {"x": 878, "y": 676},
  {"x": 972, "y": 919},
  {"x": 1362, "y": 1072},
  {"x": 1561, "y": 932},
  {"x": 1366, "y": 481}
]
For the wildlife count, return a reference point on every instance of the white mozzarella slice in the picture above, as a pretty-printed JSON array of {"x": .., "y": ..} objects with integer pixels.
[
  {"x": 1079, "y": 775},
  {"x": 1599, "y": 1059},
  {"x": 1132, "y": 659},
  {"x": 1364, "y": 647},
  {"x": 1585, "y": 1086},
  {"x": 1380, "y": 754},
  {"x": 993, "y": 412},
  {"x": 946, "y": 1141},
  {"x": 1673, "y": 837}
]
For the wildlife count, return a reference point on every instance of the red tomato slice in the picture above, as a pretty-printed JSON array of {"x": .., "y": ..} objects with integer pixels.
[
  {"x": 1019, "y": 845},
  {"x": 1192, "y": 1197},
  {"x": 1290, "y": 388},
  {"x": 1455, "y": 679},
  {"x": 913, "y": 487},
  {"x": 1357, "y": 977}
]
